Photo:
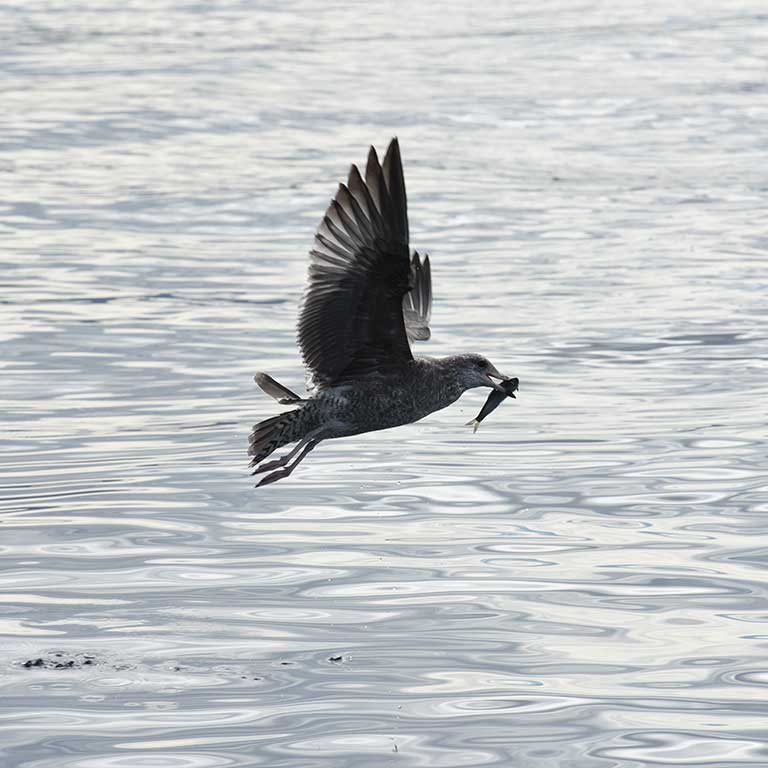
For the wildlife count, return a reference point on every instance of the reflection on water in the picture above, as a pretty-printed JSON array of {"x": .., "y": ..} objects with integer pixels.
[{"x": 580, "y": 584}]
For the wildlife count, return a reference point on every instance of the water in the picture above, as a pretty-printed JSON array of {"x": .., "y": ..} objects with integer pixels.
[{"x": 579, "y": 585}]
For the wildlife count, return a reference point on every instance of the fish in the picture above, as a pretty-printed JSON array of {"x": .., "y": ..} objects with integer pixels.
[{"x": 494, "y": 401}]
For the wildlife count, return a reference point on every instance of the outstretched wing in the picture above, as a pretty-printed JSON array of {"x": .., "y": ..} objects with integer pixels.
[
  {"x": 417, "y": 303},
  {"x": 351, "y": 323}
]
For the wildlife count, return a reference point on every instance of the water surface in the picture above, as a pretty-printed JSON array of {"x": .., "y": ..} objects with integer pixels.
[{"x": 579, "y": 585}]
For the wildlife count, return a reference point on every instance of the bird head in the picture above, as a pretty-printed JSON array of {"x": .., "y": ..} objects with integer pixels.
[{"x": 476, "y": 371}]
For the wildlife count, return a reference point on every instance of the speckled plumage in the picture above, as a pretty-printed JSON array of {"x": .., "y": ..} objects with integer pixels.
[
  {"x": 423, "y": 386},
  {"x": 367, "y": 298}
]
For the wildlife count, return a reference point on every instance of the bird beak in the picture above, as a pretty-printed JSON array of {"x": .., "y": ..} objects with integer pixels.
[{"x": 494, "y": 374}]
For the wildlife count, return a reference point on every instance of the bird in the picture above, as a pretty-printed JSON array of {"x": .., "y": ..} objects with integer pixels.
[{"x": 367, "y": 298}]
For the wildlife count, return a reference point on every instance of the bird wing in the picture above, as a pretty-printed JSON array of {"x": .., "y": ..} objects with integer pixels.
[
  {"x": 351, "y": 324},
  {"x": 417, "y": 303}
]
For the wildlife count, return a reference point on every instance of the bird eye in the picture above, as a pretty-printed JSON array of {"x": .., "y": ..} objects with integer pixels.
[{"x": 479, "y": 364}]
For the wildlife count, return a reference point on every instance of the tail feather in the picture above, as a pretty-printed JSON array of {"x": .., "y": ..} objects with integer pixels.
[{"x": 270, "y": 434}]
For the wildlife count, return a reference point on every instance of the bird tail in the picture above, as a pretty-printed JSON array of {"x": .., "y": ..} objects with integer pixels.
[{"x": 271, "y": 434}]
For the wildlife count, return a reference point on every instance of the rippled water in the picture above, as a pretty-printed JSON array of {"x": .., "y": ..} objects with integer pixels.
[{"x": 579, "y": 585}]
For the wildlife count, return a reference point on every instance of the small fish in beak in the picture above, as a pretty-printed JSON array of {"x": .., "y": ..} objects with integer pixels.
[
  {"x": 500, "y": 392},
  {"x": 492, "y": 374}
]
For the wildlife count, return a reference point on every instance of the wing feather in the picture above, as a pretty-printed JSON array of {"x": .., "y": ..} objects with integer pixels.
[
  {"x": 352, "y": 321},
  {"x": 417, "y": 303}
]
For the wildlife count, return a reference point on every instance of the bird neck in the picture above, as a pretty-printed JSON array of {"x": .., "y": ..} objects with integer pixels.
[{"x": 447, "y": 375}]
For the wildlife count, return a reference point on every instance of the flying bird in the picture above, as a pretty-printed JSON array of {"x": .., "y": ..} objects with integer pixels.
[{"x": 368, "y": 297}]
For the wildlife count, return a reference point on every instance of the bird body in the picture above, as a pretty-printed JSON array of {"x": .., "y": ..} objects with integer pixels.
[
  {"x": 367, "y": 298},
  {"x": 426, "y": 385}
]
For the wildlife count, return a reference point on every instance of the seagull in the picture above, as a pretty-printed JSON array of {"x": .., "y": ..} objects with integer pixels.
[{"x": 367, "y": 298}]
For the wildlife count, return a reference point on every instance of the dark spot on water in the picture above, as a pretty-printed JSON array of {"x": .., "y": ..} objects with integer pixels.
[{"x": 60, "y": 660}]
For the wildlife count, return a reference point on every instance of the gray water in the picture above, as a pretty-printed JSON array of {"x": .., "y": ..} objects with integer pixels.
[{"x": 581, "y": 584}]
